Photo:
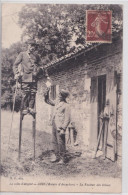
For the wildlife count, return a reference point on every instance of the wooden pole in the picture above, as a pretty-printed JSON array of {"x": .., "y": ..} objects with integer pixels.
[
  {"x": 99, "y": 136},
  {"x": 20, "y": 132},
  {"x": 106, "y": 120},
  {"x": 34, "y": 132}
]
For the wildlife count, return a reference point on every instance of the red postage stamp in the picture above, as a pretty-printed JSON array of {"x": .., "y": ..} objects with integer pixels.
[{"x": 98, "y": 26}]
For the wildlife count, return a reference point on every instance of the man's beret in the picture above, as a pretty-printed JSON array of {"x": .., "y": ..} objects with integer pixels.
[{"x": 64, "y": 93}]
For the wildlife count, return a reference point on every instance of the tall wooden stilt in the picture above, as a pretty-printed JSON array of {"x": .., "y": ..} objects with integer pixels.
[{"x": 33, "y": 130}]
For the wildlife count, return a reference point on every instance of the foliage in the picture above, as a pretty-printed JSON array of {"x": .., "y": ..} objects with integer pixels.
[
  {"x": 7, "y": 77},
  {"x": 59, "y": 29}
]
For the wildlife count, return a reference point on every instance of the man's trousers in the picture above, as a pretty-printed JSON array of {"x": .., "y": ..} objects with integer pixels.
[
  {"x": 29, "y": 93},
  {"x": 58, "y": 142}
]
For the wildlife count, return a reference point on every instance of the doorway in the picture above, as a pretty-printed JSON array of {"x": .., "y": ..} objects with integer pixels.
[{"x": 101, "y": 97}]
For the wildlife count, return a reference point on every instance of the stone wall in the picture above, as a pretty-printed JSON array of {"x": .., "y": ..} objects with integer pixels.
[{"x": 75, "y": 75}]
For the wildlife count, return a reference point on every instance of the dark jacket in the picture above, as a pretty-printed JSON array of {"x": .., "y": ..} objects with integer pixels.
[{"x": 29, "y": 63}]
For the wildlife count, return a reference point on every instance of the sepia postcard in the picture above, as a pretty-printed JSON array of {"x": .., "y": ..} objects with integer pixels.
[{"x": 61, "y": 97}]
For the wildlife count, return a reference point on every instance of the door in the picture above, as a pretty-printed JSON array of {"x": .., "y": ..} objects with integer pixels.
[
  {"x": 93, "y": 112},
  {"x": 111, "y": 94},
  {"x": 101, "y": 104}
]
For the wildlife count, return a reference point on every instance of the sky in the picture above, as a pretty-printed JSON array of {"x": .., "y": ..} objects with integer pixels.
[{"x": 11, "y": 32}]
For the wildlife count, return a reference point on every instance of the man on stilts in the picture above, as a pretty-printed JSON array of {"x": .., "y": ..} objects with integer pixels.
[
  {"x": 27, "y": 76},
  {"x": 29, "y": 61}
]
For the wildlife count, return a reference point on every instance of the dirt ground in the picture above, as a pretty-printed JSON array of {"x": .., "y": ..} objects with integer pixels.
[{"x": 78, "y": 165}]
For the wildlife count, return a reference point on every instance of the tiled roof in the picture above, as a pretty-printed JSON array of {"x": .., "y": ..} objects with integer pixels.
[{"x": 78, "y": 51}]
